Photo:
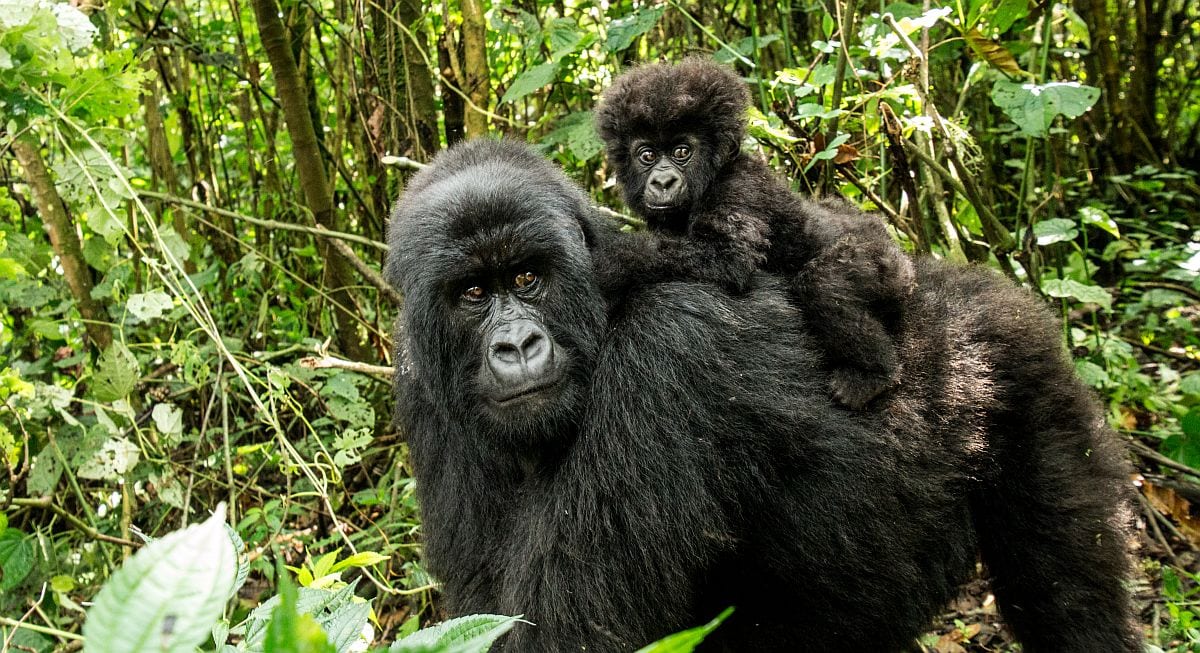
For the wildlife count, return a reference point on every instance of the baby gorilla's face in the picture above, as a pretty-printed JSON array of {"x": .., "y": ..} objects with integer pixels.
[{"x": 666, "y": 177}]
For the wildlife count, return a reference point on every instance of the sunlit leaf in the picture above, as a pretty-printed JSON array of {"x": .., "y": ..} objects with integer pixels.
[
  {"x": 1033, "y": 107},
  {"x": 530, "y": 81},
  {"x": 622, "y": 31},
  {"x": 167, "y": 596},
  {"x": 1083, "y": 292},
  {"x": 116, "y": 373}
]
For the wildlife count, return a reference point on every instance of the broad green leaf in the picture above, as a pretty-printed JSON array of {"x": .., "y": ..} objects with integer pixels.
[
  {"x": 1033, "y": 107},
  {"x": 289, "y": 631},
  {"x": 149, "y": 305},
  {"x": 1190, "y": 385},
  {"x": 360, "y": 559},
  {"x": 470, "y": 634},
  {"x": 45, "y": 474},
  {"x": 622, "y": 31},
  {"x": 1092, "y": 374},
  {"x": 77, "y": 31},
  {"x": 566, "y": 38},
  {"x": 116, "y": 373},
  {"x": 763, "y": 127},
  {"x": 687, "y": 640},
  {"x": 168, "y": 419},
  {"x": 1082, "y": 292},
  {"x": 168, "y": 595},
  {"x": 1055, "y": 230},
  {"x": 17, "y": 556},
  {"x": 175, "y": 244},
  {"x": 114, "y": 458},
  {"x": 1004, "y": 14},
  {"x": 1191, "y": 423},
  {"x": 530, "y": 81},
  {"x": 1098, "y": 218}
]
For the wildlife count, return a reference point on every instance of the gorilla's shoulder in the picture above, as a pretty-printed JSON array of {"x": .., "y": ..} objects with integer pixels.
[{"x": 694, "y": 316}]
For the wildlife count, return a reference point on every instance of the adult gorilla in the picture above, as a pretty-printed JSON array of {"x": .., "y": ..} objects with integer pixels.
[{"x": 614, "y": 482}]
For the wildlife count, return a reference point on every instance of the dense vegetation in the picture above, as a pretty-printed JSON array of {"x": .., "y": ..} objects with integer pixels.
[{"x": 193, "y": 196}]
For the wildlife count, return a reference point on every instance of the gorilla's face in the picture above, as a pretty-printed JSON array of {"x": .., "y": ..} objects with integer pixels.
[
  {"x": 501, "y": 313},
  {"x": 664, "y": 178}
]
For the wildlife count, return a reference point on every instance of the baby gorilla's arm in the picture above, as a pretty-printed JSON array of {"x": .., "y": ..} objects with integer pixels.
[{"x": 724, "y": 252}]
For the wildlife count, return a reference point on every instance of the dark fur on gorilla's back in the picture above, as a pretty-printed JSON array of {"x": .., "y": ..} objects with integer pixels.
[
  {"x": 689, "y": 457},
  {"x": 728, "y": 214}
]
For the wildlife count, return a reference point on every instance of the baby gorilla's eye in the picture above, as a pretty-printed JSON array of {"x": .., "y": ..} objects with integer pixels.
[
  {"x": 647, "y": 155},
  {"x": 525, "y": 280},
  {"x": 474, "y": 294},
  {"x": 681, "y": 152}
]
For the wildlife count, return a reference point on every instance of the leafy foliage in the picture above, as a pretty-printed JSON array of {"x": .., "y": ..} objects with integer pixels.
[{"x": 1058, "y": 147}]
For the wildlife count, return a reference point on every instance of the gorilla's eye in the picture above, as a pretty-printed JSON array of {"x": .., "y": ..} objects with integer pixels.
[
  {"x": 647, "y": 155},
  {"x": 682, "y": 152},
  {"x": 525, "y": 280},
  {"x": 475, "y": 294}
]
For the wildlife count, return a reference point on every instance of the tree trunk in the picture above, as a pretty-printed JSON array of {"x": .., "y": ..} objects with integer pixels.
[
  {"x": 422, "y": 114},
  {"x": 310, "y": 166},
  {"x": 475, "y": 67},
  {"x": 453, "y": 107},
  {"x": 64, "y": 241}
]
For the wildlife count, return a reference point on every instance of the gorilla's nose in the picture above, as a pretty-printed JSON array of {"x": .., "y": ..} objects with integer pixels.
[
  {"x": 663, "y": 182},
  {"x": 520, "y": 352}
]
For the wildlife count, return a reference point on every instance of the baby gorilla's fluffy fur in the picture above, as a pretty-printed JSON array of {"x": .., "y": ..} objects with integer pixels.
[{"x": 725, "y": 214}]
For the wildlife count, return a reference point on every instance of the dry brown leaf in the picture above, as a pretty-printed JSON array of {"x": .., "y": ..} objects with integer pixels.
[
  {"x": 845, "y": 154},
  {"x": 1167, "y": 502},
  {"x": 993, "y": 52}
]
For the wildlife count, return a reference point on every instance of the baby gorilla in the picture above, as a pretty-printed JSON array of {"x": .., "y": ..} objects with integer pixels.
[{"x": 673, "y": 133}]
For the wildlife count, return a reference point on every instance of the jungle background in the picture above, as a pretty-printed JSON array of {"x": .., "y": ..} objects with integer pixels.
[{"x": 193, "y": 195}]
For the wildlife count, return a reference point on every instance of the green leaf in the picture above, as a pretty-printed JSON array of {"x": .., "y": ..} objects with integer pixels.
[
  {"x": 116, "y": 373},
  {"x": 687, "y": 640},
  {"x": 149, "y": 305},
  {"x": 168, "y": 595},
  {"x": 1055, "y": 230},
  {"x": 1190, "y": 385},
  {"x": 168, "y": 419},
  {"x": 292, "y": 632},
  {"x": 1082, "y": 292},
  {"x": 1191, "y": 423},
  {"x": 1092, "y": 374},
  {"x": 17, "y": 556},
  {"x": 470, "y": 634},
  {"x": 360, "y": 559},
  {"x": 622, "y": 31},
  {"x": 530, "y": 81},
  {"x": 1033, "y": 107},
  {"x": 114, "y": 458},
  {"x": 566, "y": 38},
  {"x": 1096, "y": 217},
  {"x": 76, "y": 29},
  {"x": 578, "y": 132}
]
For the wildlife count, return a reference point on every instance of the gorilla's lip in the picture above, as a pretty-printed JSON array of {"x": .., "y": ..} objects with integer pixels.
[
  {"x": 527, "y": 390},
  {"x": 662, "y": 207}
]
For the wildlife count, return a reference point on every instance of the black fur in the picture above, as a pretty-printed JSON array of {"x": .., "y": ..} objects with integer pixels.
[
  {"x": 693, "y": 459},
  {"x": 730, "y": 215}
]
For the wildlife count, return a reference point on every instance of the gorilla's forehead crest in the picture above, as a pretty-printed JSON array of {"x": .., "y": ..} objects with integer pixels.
[{"x": 485, "y": 195}]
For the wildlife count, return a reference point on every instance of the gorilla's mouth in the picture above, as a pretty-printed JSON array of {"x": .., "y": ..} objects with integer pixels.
[{"x": 526, "y": 392}]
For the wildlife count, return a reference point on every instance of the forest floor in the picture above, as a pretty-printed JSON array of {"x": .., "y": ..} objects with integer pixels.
[{"x": 972, "y": 622}]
